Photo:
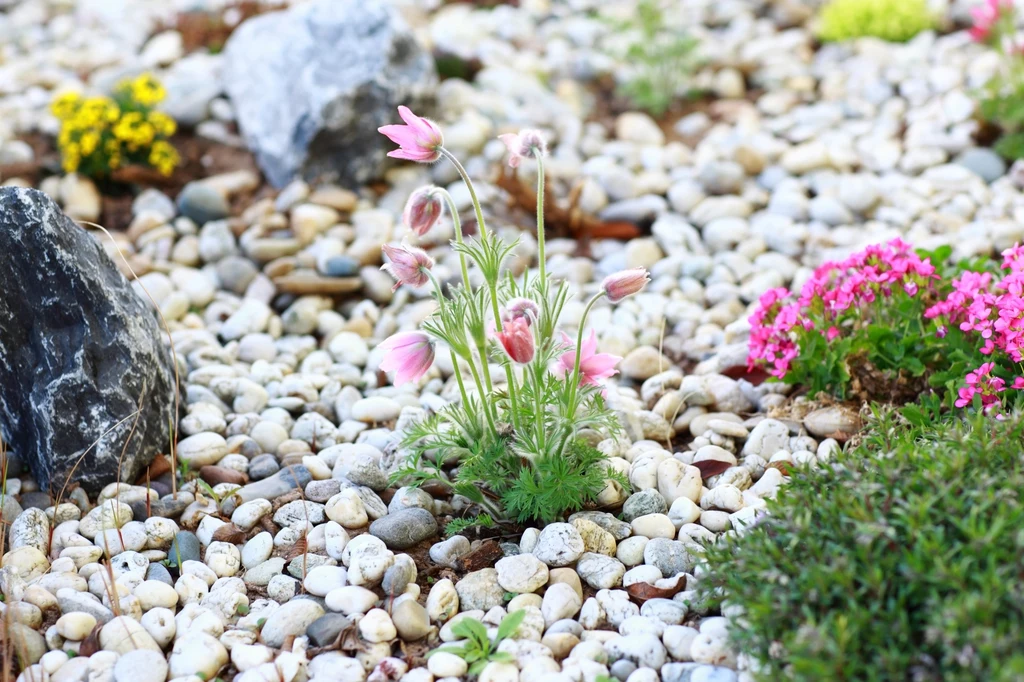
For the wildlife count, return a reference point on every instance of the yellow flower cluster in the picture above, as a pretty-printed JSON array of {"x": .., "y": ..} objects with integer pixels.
[{"x": 100, "y": 134}]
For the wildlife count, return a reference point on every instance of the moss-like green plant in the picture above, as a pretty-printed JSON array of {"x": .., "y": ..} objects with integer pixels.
[
  {"x": 900, "y": 560},
  {"x": 894, "y": 20}
]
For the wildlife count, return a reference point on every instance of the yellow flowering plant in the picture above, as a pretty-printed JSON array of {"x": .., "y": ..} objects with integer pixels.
[{"x": 100, "y": 134}]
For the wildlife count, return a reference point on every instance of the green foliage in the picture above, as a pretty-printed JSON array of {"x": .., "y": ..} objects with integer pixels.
[
  {"x": 900, "y": 560},
  {"x": 894, "y": 20},
  {"x": 663, "y": 58},
  {"x": 458, "y": 526},
  {"x": 1002, "y": 103},
  {"x": 476, "y": 649},
  {"x": 494, "y": 475}
]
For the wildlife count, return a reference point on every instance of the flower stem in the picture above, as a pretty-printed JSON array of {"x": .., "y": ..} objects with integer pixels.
[
  {"x": 457, "y": 223},
  {"x": 540, "y": 223},
  {"x": 469, "y": 361},
  {"x": 472, "y": 191},
  {"x": 574, "y": 384},
  {"x": 458, "y": 378}
]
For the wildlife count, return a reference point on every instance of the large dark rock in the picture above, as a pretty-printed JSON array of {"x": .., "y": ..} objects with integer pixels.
[
  {"x": 79, "y": 352},
  {"x": 312, "y": 84}
]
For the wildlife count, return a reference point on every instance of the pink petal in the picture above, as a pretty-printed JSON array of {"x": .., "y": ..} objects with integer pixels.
[{"x": 411, "y": 155}]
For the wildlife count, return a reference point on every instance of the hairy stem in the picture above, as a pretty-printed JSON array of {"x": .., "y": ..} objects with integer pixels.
[
  {"x": 472, "y": 191},
  {"x": 540, "y": 223},
  {"x": 574, "y": 384},
  {"x": 457, "y": 223}
]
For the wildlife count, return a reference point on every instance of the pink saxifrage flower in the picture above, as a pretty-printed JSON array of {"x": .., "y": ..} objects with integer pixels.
[
  {"x": 422, "y": 210},
  {"x": 986, "y": 17},
  {"x": 594, "y": 366},
  {"x": 408, "y": 265},
  {"x": 526, "y": 144},
  {"x": 980, "y": 382},
  {"x": 419, "y": 139},
  {"x": 516, "y": 338},
  {"x": 410, "y": 355},
  {"x": 625, "y": 283}
]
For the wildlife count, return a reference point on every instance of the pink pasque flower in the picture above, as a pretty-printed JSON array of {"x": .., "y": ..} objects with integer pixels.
[
  {"x": 408, "y": 265},
  {"x": 626, "y": 283},
  {"x": 526, "y": 144},
  {"x": 520, "y": 308},
  {"x": 422, "y": 210},
  {"x": 517, "y": 340},
  {"x": 986, "y": 16},
  {"x": 594, "y": 366},
  {"x": 420, "y": 139},
  {"x": 410, "y": 355}
]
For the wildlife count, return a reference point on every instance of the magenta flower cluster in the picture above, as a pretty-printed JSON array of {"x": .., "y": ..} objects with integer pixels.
[
  {"x": 835, "y": 288},
  {"x": 977, "y": 321},
  {"x": 992, "y": 310}
]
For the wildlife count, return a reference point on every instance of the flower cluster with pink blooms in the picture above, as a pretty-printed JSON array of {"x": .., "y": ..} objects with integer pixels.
[
  {"x": 553, "y": 383},
  {"x": 991, "y": 18},
  {"x": 887, "y": 304},
  {"x": 991, "y": 310},
  {"x": 832, "y": 291}
]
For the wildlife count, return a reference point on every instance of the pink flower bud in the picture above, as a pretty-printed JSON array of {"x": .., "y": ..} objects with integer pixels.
[
  {"x": 408, "y": 265},
  {"x": 520, "y": 308},
  {"x": 419, "y": 140},
  {"x": 422, "y": 210},
  {"x": 527, "y": 144},
  {"x": 410, "y": 355},
  {"x": 517, "y": 340},
  {"x": 625, "y": 283}
]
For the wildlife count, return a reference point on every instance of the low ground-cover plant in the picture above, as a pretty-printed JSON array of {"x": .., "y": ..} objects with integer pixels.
[
  {"x": 894, "y": 20},
  {"x": 1002, "y": 98},
  {"x": 100, "y": 134},
  {"x": 662, "y": 59},
  {"x": 900, "y": 560},
  {"x": 519, "y": 447},
  {"x": 890, "y": 323}
]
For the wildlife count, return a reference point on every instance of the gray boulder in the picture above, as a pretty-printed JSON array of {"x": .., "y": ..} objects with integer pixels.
[
  {"x": 311, "y": 85},
  {"x": 79, "y": 353}
]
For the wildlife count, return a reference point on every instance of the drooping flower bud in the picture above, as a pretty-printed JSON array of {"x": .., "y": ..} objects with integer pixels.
[
  {"x": 527, "y": 144},
  {"x": 408, "y": 265},
  {"x": 517, "y": 340},
  {"x": 625, "y": 283},
  {"x": 422, "y": 210},
  {"x": 520, "y": 308},
  {"x": 410, "y": 355}
]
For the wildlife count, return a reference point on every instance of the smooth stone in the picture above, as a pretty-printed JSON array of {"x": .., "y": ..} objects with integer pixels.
[
  {"x": 404, "y": 528},
  {"x": 325, "y": 629}
]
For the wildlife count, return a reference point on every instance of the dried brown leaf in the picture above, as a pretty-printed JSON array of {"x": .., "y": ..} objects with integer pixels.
[
  {"x": 641, "y": 592},
  {"x": 711, "y": 467},
  {"x": 229, "y": 533}
]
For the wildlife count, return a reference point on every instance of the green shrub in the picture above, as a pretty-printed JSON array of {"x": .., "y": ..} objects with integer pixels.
[
  {"x": 894, "y": 20},
  {"x": 899, "y": 561}
]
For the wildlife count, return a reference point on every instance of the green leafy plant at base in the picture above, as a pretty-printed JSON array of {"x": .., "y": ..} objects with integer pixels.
[
  {"x": 896, "y": 21},
  {"x": 663, "y": 59},
  {"x": 458, "y": 526},
  {"x": 899, "y": 560},
  {"x": 477, "y": 649}
]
